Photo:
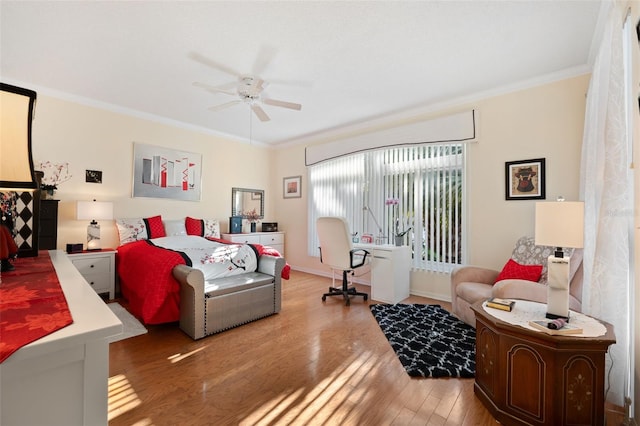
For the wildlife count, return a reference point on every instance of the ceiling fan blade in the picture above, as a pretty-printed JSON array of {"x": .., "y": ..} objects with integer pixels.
[
  {"x": 213, "y": 64},
  {"x": 225, "y": 105},
  {"x": 283, "y": 104},
  {"x": 296, "y": 83},
  {"x": 229, "y": 85},
  {"x": 215, "y": 89},
  {"x": 264, "y": 58},
  {"x": 260, "y": 112}
]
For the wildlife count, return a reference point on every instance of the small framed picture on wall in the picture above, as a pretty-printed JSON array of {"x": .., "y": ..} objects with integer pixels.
[
  {"x": 292, "y": 187},
  {"x": 93, "y": 176},
  {"x": 525, "y": 179}
]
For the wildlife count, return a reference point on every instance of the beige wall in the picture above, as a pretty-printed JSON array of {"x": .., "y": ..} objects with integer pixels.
[
  {"x": 96, "y": 139},
  {"x": 540, "y": 122}
]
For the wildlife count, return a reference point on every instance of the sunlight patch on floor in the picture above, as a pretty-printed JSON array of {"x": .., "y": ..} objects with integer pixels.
[
  {"x": 179, "y": 357},
  {"x": 331, "y": 399},
  {"x": 121, "y": 396}
]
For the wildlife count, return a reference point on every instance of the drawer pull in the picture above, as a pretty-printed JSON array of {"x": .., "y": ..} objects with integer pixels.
[
  {"x": 91, "y": 266},
  {"x": 91, "y": 283}
]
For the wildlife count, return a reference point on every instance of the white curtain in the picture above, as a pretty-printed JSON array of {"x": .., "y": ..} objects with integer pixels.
[{"x": 607, "y": 190}]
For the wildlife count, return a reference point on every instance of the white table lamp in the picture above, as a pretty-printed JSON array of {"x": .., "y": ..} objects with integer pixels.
[
  {"x": 559, "y": 224},
  {"x": 93, "y": 210}
]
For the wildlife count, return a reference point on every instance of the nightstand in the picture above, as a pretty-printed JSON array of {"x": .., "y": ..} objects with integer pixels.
[{"x": 98, "y": 268}]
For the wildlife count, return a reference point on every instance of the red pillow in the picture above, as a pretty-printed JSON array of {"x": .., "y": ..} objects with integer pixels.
[
  {"x": 155, "y": 227},
  {"x": 514, "y": 270},
  {"x": 194, "y": 226}
]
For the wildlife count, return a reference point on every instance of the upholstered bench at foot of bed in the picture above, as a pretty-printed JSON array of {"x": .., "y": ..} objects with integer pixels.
[{"x": 217, "y": 305}]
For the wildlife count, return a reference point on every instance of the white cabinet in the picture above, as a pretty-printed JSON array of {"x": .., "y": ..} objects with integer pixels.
[
  {"x": 270, "y": 239},
  {"x": 62, "y": 378},
  {"x": 390, "y": 272},
  {"x": 98, "y": 268}
]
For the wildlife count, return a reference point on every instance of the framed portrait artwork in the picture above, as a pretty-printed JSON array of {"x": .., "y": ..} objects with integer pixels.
[
  {"x": 525, "y": 180},
  {"x": 292, "y": 187}
]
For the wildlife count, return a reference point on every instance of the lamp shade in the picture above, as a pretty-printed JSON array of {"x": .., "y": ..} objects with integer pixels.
[
  {"x": 94, "y": 210},
  {"x": 16, "y": 114},
  {"x": 560, "y": 224}
]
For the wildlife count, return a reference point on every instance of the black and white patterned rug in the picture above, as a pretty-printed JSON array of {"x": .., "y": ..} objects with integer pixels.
[{"x": 428, "y": 340}]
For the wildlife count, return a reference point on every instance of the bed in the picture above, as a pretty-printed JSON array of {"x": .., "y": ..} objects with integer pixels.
[{"x": 150, "y": 248}]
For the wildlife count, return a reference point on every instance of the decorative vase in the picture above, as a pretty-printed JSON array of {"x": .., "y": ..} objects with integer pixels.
[
  {"x": 399, "y": 241},
  {"x": 47, "y": 194},
  {"x": 253, "y": 227}
]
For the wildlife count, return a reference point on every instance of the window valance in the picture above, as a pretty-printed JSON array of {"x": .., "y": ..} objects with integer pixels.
[{"x": 457, "y": 127}]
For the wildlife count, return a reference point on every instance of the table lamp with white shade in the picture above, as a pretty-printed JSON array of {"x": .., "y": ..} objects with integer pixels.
[
  {"x": 94, "y": 210},
  {"x": 559, "y": 224}
]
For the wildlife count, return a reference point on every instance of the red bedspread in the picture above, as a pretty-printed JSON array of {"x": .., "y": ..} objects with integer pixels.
[{"x": 147, "y": 282}]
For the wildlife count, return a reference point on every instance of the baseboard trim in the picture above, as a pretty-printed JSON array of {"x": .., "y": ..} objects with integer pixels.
[{"x": 357, "y": 280}]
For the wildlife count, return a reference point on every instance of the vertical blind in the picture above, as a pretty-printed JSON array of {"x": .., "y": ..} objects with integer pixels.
[{"x": 414, "y": 192}]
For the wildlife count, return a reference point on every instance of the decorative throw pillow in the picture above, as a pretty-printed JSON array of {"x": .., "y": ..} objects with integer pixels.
[
  {"x": 155, "y": 227},
  {"x": 194, "y": 226},
  {"x": 515, "y": 270},
  {"x": 202, "y": 227},
  {"x": 211, "y": 228},
  {"x": 131, "y": 230}
]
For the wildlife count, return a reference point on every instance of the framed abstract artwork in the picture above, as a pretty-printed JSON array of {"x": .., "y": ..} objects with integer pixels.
[
  {"x": 525, "y": 179},
  {"x": 292, "y": 187},
  {"x": 160, "y": 172}
]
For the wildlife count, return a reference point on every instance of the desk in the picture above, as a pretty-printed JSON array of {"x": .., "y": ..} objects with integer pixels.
[
  {"x": 529, "y": 377},
  {"x": 390, "y": 271}
]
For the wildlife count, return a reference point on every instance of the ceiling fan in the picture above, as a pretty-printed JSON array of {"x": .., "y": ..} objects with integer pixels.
[{"x": 247, "y": 87}]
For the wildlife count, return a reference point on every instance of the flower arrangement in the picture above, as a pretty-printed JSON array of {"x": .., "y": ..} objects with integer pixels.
[
  {"x": 54, "y": 174},
  {"x": 394, "y": 203},
  {"x": 251, "y": 215}
]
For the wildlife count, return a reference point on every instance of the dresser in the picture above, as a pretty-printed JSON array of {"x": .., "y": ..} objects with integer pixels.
[
  {"x": 62, "y": 378},
  {"x": 390, "y": 271},
  {"x": 48, "y": 228},
  {"x": 98, "y": 268},
  {"x": 271, "y": 239}
]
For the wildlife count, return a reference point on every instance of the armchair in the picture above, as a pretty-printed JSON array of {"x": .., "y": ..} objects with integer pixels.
[
  {"x": 470, "y": 284},
  {"x": 337, "y": 252}
]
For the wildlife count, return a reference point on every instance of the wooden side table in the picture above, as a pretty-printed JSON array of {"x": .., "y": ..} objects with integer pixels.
[
  {"x": 529, "y": 377},
  {"x": 98, "y": 268}
]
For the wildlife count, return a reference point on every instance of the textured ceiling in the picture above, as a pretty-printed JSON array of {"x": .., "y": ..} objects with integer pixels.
[{"x": 345, "y": 62}]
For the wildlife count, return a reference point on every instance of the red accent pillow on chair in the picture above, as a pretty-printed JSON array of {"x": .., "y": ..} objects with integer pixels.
[{"x": 514, "y": 270}]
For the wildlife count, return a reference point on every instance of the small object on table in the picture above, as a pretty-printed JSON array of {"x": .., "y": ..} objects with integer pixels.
[
  {"x": 547, "y": 326},
  {"x": 503, "y": 304}
]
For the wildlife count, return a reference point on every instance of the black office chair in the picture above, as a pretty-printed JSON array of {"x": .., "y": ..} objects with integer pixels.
[{"x": 337, "y": 252}]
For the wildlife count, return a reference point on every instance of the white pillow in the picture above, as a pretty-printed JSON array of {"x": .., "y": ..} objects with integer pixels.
[
  {"x": 211, "y": 228},
  {"x": 131, "y": 229},
  {"x": 175, "y": 227}
]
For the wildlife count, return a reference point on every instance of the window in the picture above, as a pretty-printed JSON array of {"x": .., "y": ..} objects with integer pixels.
[{"x": 384, "y": 193}]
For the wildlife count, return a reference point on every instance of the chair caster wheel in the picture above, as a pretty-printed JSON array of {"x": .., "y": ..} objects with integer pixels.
[
  {"x": 324, "y": 298},
  {"x": 365, "y": 297}
]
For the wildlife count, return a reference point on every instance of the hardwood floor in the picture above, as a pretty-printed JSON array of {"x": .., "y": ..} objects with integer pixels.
[{"x": 313, "y": 363}]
